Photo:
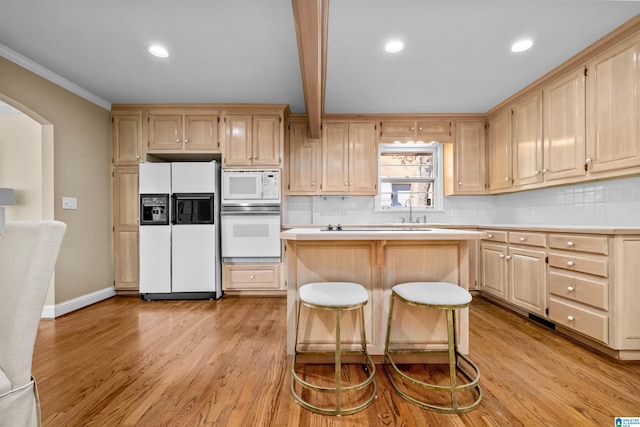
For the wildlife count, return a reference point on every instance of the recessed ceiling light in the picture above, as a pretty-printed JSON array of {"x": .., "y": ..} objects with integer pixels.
[
  {"x": 521, "y": 46},
  {"x": 159, "y": 51},
  {"x": 394, "y": 46}
]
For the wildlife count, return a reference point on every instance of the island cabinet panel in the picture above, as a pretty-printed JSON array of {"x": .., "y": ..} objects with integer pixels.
[
  {"x": 344, "y": 262},
  {"x": 378, "y": 262}
]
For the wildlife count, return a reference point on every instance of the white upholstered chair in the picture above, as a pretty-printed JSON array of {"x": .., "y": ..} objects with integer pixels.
[{"x": 28, "y": 253}]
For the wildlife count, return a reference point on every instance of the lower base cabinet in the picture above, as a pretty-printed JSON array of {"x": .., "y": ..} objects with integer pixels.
[
  {"x": 583, "y": 282},
  {"x": 252, "y": 278}
]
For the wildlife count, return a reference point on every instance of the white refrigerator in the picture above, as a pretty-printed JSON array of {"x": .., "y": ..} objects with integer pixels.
[{"x": 182, "y": 260}]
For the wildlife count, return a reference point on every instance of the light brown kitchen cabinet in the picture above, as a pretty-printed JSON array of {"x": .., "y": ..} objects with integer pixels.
[
  {"x": 425, "y": 130},
  {"x": 499, "y": 134},
  {"x": 493, "y": 251},
  {"x": 304, "y": 161},
  {"x": 563, "y": 123},
  {"x": 613, "y": 108},
  {"x": 579, "y": 286},
  {"x": 494, "y": 269},
  {"x": 252, "y": 140},
  {"x": 349, "y": 158},
  {"x": 469, "y": 154},
  {"x": 527, "y": 271},
  {"x": 514, "y": 269},
  {"x": 526, "y": 140},
  {"x": 125, "y": 228},
  {"x": 183, "y": 132},
  {"x": 126, "y": 135},
  {"x": 252, "y": 278}
]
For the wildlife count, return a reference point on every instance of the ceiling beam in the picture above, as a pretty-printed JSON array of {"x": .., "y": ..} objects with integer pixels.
[{"x": 311, "y": 17}]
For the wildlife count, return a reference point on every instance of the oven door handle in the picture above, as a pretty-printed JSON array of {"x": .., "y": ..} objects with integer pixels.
[{"x": 245, "y": 213}]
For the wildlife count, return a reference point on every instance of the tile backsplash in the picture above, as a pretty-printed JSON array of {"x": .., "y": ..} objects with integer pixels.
[{"x": 605, "y": 203}]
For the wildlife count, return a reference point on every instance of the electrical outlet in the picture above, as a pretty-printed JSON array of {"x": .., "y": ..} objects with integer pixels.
[{"x": 69, "y": 203}]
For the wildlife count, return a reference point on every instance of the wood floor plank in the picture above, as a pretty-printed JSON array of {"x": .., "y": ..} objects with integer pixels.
[{"x": 127, "y": 362}]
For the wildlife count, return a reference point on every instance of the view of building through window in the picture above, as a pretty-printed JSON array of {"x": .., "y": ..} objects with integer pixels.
[{"x": 408, "y": 175}]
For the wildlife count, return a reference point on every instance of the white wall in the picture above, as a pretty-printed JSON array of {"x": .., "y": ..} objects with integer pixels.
[{"x": 613, "y": 203}]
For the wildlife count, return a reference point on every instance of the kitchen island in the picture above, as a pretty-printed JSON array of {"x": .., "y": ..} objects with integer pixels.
[{"x": 378, "y": 259}]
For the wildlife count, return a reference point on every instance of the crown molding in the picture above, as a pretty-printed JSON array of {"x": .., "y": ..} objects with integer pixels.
[{"x": 45, "y": 73}]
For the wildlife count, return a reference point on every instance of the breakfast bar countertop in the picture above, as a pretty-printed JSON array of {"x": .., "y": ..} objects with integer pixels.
[{"x": 382, "y": 233}]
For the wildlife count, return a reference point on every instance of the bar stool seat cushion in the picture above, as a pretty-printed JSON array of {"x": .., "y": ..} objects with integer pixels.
[
  {"x": 433, "y": 293},
  {"x": 333, "y": 294}
]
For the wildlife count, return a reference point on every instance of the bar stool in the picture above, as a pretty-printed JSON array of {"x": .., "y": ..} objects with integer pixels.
[
  {"x": 442, "y": 296},
  {"x": 337, "y": 297}
]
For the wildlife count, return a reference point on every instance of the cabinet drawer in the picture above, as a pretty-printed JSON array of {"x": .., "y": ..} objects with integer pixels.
[
  {"x": 398, "y": 128},
  {"x": 583, "y": 320},
  {"x": 254, "y": 276},
  {"x": 568, "y": 242},
  {"x": 531, "y": 239},
  {"x": 570, "y": 286},
  {"x": 580, "y": 262},
  {"x": 496, "y": 236}
]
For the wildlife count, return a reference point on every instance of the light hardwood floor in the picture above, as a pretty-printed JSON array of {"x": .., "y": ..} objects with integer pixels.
[{"x": 125, "y": 362}]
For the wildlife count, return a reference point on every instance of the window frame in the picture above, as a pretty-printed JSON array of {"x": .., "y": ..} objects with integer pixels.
[{"x": 437, "y": 150}]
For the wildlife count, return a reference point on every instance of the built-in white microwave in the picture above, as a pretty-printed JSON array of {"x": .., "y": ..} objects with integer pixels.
[{"x": 250, "y": 187}]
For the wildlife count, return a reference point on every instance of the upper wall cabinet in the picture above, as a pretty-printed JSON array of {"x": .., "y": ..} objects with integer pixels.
[
  {"x": 526, "y": 142},
  {"x": 126, "y": 134},
  {"x": 183, "y": 132},
  {"x": 613, "y": 109},
  {"x": 252, "y": 140},
  {"x": 563, "y": 123},
  {"x": 500, "y": 150},
  {"x": 349, "y": 158},
  {"x": 304, "y": 165},
  {"x": 425, "y": 129},
  {"x": 469, "y": 154}
]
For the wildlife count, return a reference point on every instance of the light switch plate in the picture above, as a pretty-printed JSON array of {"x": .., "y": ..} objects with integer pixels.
[{"x": 69, "y": 203}]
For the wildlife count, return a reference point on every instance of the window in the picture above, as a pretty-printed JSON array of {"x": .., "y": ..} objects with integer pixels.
[{"x": 410, "y": 174}]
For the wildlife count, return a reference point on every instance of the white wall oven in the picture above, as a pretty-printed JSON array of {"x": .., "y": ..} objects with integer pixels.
[{"x": 251, "y": 216}]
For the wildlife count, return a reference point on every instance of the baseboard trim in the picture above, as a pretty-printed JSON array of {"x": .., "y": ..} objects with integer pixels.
[{"x": 53, "y": 311}]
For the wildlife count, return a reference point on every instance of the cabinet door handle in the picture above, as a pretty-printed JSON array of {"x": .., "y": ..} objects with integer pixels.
[
  {"x": 570, "y": 244},
  {"x": 255, "y": 157},
  {"x": 545, "y": 170},
  {"x": 570, "y": 288},
  {"x": 459, "y": 182},
  {"x": 570, "y": 318},
  {"x": 186, "y": 141},
  {"x": 508, "y": 257},
  {"x": 490, "y": 236},
  {"x": 522, "y": 239},
  {"x": 252, "y": 277},
  {"x": 501, "y": 256},
  {"x": 570, "y": 263},
  {"x": 249, "y": 158}
]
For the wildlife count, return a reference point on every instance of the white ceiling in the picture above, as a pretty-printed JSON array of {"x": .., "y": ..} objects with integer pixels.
[{"x": 457, "y": 57}]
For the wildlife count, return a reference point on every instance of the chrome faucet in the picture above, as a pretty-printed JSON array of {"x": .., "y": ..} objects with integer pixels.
[{"x": 410, "y": 210}]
